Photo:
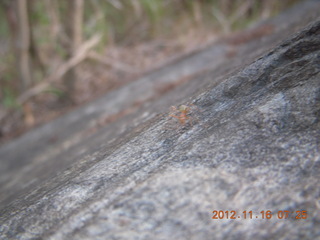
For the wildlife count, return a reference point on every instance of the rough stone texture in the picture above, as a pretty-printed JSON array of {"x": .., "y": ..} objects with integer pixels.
[{"x": 117, "y": 169}]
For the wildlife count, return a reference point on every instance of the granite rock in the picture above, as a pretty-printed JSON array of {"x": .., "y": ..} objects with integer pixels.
[{"x": 122, "y": 168}]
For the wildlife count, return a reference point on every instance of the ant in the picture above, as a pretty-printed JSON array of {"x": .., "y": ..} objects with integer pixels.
[{"x": 180, "y": 113}]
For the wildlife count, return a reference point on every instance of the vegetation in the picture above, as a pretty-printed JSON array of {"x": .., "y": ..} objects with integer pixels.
[{"x": 57, "y": 51}]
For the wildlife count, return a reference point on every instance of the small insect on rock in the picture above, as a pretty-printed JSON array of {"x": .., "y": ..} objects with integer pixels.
[{"x": 182, "y": 114}]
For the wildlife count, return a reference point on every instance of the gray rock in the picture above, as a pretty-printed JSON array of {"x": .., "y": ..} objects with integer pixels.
[{"x": 119, "y": 169}]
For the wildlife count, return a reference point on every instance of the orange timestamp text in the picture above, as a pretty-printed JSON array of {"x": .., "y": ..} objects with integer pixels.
[{"x": 220, "y": 214}]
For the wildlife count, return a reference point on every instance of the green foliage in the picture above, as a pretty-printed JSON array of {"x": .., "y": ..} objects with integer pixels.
[
  {"x": 37, "y": 14},
  {"x": 3, "y": 23},
  {"x": 136, "y": 20},
  {"x": 8, "y": 77},
  {"x": 154, "y": 10},
  {"x": 9, "y": 100}
]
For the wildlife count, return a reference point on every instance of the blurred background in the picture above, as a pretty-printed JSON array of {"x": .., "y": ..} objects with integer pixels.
[{"x": 56, "y": 55}]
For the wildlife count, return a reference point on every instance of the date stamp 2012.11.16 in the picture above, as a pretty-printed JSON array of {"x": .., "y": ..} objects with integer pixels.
[{"x": 220, "y": 214}]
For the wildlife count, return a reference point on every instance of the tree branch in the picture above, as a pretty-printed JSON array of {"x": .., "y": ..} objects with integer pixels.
[{"x": 62, "y": 69}]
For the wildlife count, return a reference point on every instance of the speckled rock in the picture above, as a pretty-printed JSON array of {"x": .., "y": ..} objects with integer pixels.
[{"x": 249, "y": 150}]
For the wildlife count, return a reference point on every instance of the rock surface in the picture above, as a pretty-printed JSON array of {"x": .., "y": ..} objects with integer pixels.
[{"x": 117, "y": 169}]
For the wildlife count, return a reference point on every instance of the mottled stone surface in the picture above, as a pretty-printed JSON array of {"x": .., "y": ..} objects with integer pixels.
[{"x": 117, "y": 169}]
